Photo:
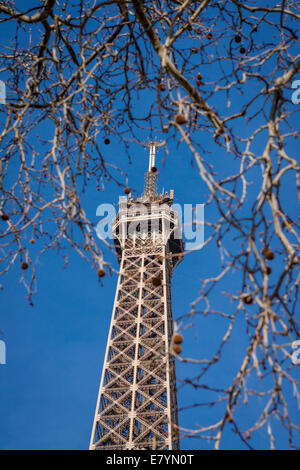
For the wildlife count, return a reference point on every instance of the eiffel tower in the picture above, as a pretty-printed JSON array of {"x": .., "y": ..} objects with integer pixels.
[{"x": 137, "y": 402}]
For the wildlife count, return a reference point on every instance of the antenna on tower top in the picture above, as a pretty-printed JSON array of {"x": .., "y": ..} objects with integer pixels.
[{"x": 152, "y": 146}]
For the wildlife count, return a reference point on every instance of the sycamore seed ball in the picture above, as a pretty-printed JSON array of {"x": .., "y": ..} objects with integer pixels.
[
  {"x": 156, "y": 281},
  {"x": 180, "y": 119},
  {"x": 248, "y": 299},
  {"x": 177, "y": 348},
  {"x": 177, "y": 338}
]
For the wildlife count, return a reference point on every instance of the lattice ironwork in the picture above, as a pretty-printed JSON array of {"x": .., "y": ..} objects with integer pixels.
[{"x": 137, "y": 404}]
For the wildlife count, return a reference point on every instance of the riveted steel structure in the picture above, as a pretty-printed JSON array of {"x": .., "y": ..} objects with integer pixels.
[{"x": 137, "y": 403}]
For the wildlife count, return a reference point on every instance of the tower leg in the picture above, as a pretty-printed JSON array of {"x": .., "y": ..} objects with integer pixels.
[{"x": 136, "y": 407}]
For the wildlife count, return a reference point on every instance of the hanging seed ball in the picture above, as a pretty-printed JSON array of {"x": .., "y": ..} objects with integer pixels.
[
  {"x": 242, "y": 50},
  {"x": 162, "y": 87},
  {"x": 209, "y": 36},
  {"x": 199, "y": 77},
  {"x": 177, "y": 338},
  {"x": 154, "y": 169},
  {"x": 177, "y": 348},
  {"x": 4, "y": 217},
  {"x": 199, "y": 83},
  {"x": 248, "y": 299},
  {"x": 268, "y": 270},
  {"x": 32, "y": 241},
  {"x": 126, "y": 190},
  {"x": 180, "y": 119},
  {"x": 156, "y": 281},
  {"x": 106, "y": 141},
  {"x": 107, "y": 91},
  {"x": 237, "y": 39},
  {"x": 101, "y": 272},
  {"x": 269, "y": 255},
  {"x": 24, "y": 265},
  {"x": 263, "y": 251}
]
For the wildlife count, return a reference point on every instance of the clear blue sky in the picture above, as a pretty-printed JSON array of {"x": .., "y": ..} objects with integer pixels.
[{"x": 55, "y": 350}]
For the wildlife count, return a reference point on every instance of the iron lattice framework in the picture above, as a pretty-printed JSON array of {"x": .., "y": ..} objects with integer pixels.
[{"x": 137, "y": 403}]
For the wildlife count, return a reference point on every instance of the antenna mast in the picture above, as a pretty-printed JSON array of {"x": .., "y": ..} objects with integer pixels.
[{"x": 152, "y": 146}]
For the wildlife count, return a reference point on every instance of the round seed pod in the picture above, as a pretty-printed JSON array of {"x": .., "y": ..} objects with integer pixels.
[
  {"x": 24, "y": 265},
  {"x": 126, "y": 190},
  {"x": 5, "y": 217},
  {"x": 177, "y": 338},
  {"x": 237, "y": 39},
  {"x": 242, "y": 50},
  {"x": 101, "y": 272},
  {"x": 106, "y": 141},
  {"x": 156, "y": 281},
  {"x": 269, "y": 255},
  {"x": 162, "y": 87},
  {"x": 177, "y": 348},
  {"x": 154, "y": 169},
  {"x": 248, "y": 299},
  {"x": 180, "y": 119}
]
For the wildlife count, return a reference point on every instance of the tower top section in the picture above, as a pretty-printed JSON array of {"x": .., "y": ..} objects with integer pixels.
[
  {"x": 150, "y": 194},
  {"x": 150, "y": 191},
  {"x": 149, "y": 220}
]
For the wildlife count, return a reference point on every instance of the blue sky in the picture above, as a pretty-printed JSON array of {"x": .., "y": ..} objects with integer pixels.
[{"x": 55, "y": 349}]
